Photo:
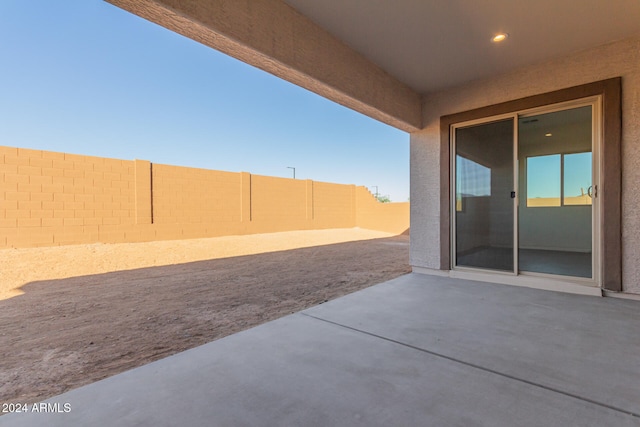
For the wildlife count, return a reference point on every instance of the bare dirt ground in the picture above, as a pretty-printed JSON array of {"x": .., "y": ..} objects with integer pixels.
[{"x": 130, "y": 304}]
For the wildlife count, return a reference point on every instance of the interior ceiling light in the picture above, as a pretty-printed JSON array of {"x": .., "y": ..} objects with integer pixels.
[
  {"x": 499, "y": 37},
  {"x": 548, "y": 134}
]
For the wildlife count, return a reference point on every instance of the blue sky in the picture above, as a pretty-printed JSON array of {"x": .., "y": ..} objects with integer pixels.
[
  {"x": 84, "y": 77},
  {"x": 544, "y": 175}
]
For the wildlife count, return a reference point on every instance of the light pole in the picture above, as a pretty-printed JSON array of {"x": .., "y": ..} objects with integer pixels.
[
  {"x": 294, "y": 171},
  {"x": 376, "y": 190}
]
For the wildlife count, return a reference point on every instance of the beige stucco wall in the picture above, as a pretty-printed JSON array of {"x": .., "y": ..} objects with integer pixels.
[
  {"x": 49, "y": 198},
  {"x": 621, "y": 58}
]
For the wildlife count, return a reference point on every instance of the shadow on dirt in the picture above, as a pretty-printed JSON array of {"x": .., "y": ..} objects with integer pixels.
[{"x": 62, "y": 334}]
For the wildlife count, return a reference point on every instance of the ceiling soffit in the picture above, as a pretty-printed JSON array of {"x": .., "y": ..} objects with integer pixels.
[{"x": 438, "y": 44}]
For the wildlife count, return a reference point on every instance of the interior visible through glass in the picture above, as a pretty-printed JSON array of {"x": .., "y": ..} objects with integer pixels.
[
  {"x": 556, "y": 191},
  {"x": 484, "y": 207}
]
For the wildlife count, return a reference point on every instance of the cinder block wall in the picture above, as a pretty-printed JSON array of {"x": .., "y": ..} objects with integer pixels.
[
  {"x": 56, "y": 198},
  {"x": 389, "y": 217},
  {"x": 53, "y": 199}
]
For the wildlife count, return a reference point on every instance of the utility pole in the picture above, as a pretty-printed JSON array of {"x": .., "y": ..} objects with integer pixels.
[
  {"x": 294, "y": 171},
  {"x": 376, "y": 190}
]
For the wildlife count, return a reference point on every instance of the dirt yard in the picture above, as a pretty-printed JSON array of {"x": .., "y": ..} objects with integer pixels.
[{"x": 74, "y": 315}]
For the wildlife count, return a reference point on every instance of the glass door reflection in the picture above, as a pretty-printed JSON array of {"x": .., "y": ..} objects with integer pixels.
[
  {"x": 556, "y": 188},
  {"x": 484, "y": 207}
]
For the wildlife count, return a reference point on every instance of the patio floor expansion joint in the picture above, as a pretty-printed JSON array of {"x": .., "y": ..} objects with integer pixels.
[{"x": 482, "y": 368}]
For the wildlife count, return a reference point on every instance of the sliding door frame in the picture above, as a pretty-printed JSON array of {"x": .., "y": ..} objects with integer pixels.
[
  {"x": 609, "y": 215},
  {"x": 452, "y": 186}
]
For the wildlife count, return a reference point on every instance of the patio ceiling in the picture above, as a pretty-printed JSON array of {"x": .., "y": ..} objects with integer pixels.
[
  {"x": 438, "y": 44},
  {"x": 382, "y": 57}
]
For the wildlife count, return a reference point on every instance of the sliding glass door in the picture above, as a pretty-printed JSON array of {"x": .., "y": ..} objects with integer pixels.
[
  {"x": 483, "y": 195},
  {"x": 556, "y": 186},
  {"x": 524, "y": 192}
]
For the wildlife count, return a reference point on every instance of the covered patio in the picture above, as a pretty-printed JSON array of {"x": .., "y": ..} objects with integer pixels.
[{"x": 416, "y": 350}]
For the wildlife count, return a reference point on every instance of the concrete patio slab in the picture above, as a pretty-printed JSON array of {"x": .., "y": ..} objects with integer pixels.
[
  {"x": 417, "y": 350},
  {"x": 578, "y": 345}
]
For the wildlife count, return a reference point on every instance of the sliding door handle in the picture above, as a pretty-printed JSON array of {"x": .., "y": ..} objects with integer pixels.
[{"x": 513, "y": 194}]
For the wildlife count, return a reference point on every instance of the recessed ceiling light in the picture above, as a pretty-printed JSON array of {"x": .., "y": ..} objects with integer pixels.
[
  {"x": 548, "y": 134},
  {"x": 499, "y": 37}
]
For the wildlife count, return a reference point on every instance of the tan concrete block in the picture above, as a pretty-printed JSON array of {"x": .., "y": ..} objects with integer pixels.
[
  {"x": 91, "y": 230},
  {"x": 144, "y": 219},
  {"x": 8, "y": 205},
  {"x": 112, "y": 236},
  {"x": 84, "y": 214},
  {"x": 40, "y": 162},
  {"x": 121, "y": 198},
  {"x": 64, "y": 180},
  {"x": 52, "y": 222},
  {"x": 11, "y": 151},
  {"x": 52, "y": 155},
  {"x": 112, "y": 205},
  {"x": 42, "y": 197},
  {"x": 74, "y": 173},
  {"x": 69, "y": 238},
  {"x": 7, "y": 233},
  {"x": 93, "y": 221},
  {"x": 101, "y": 183},
  {"x": 52, "y": 172},
  {"x": 73, "y": 221},
  {"x": 20, "y": 196},
  {"x": 94, "y": 205},
  {"x": 148, "y": 235},
  {"x": 112, "y": 176},
  {"x": 10, "y": 178},
  {"x": 119, "y": 184},
  {"x": 15, "y": 160},
  {"x": 63, "y": 214},
  {"x": 35, "y": 179},
  {"x": 72, "y": 206},
  {"x": 73, "y": 189},
  {"x": 29, "y": 239},
  {"x": 94, "y": 175},
  {"x": 82, "y": 182},
  {"x": 112, "y": 191},
  {"x": 29, "y": 170},
  {"x": 6, "y": 187},
  {"x": 93, "y": 190},
  {"x": 10, "y": 169},
  {"x": 53, "y": 205},
  {"x": 29, "y": 205},
  {"x": 31, "y": 188},
  {"x": 62, "y": 164},
  {"x": 84, "y": 165},
  {"x": 169, "y": 234},
  {"x": 84, "y": 197},
  {"x": 111, "y": 221},
  {"x": 7, "y": 223},
  {"x": 29, "y": 222},
  {"x": 52, "y": 188},
  {"x": 103, "y": 213},
  {"x": 64, "y": 197},
  {"x": 133, "y": 236},
  {"x": 26, "y": 152},
  {"x": 101, "y": 167}
]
